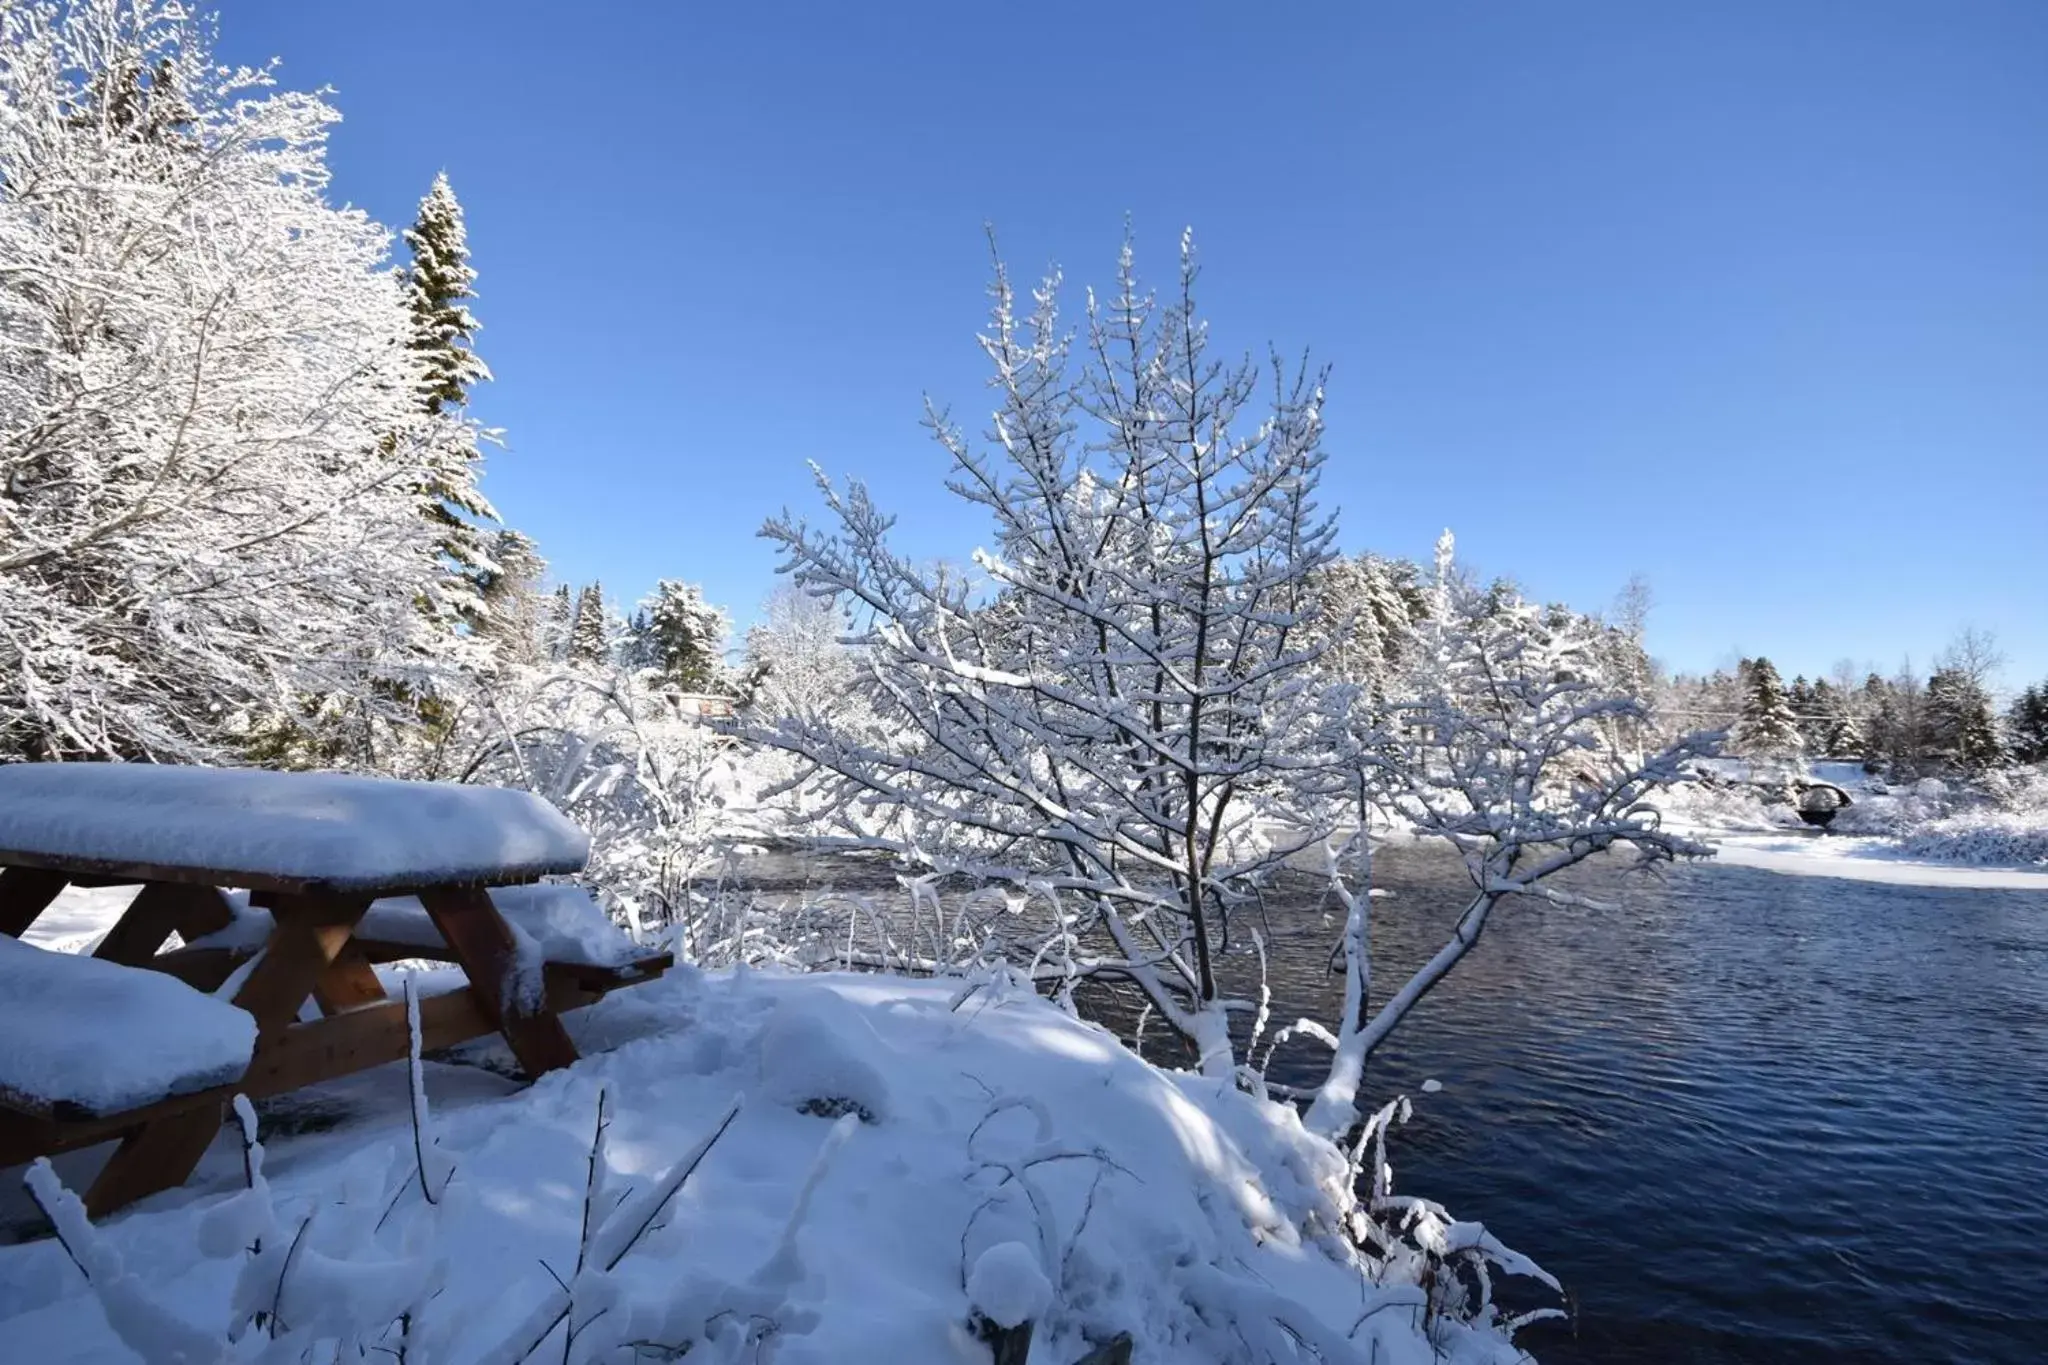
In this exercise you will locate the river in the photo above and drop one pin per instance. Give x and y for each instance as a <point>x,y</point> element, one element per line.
<point>1743,1116</point>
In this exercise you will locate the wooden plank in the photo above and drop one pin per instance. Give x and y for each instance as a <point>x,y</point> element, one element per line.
<point>392,950</point>
<point>349,982</point>
<point>156,1156</point>
<point>308,933</point>
<point>25,892</point>
<point>161,1152</point>
<point>483,945</point>
<point>143,926</point>
<point>304,1054</point>
<point>160,910</point>
<point>124,872</point>
<point>370,1036</point>
<point>24,1136</point>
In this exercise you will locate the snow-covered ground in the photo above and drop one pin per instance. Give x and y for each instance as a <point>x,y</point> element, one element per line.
<point>1862,859</point>
<point>897,1144</point>
<point>1993,834</point>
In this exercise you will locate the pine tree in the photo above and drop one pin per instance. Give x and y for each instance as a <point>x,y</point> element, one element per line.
<point>2027,726</point>
<point>684,636</point>
<point>557,624</point>
<point>443,339</point>
<point>588,636</point>
<point>1767,727</point>
<point>1825,710</point>
<point>1960,728</point>
<point>1845,738</point>
<point>513,608</point>
<point>1800,694</point>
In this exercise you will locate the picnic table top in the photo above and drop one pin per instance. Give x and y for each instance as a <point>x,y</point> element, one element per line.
<point>278,831</point>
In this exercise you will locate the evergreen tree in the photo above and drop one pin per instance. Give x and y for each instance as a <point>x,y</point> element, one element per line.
<point>443,339</point>
<point>1767,727</point>
<point>1369,608</point>
<point>1800,694</point>
<point>588,642</point>
<point>1825,710</point>
<point>513,619</point>
<point>2027,726</point>
<point>1959,724</point>
<point>683,636</point>
<point>1845,738</point>
<point>557,624</point>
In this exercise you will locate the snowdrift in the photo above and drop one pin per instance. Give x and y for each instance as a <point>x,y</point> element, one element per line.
<point>897,1143</point>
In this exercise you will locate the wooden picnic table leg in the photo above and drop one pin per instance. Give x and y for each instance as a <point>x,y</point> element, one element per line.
<point>159,910</point>
<point>309,931</point>
<point>158,1155</point>
<point>25,892</point>
<point>348,982</point>
<point>482,943</point>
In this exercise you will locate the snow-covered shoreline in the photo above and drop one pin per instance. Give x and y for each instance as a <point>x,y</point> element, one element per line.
<point>893,1133</point>
<point>1933,832</point>
<point>1859,858</point>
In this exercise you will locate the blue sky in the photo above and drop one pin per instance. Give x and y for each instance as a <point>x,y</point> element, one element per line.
<point>1749,298</point>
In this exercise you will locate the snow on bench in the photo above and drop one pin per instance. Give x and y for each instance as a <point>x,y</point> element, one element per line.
<point>281,831</point>
<point>561,923</point>
<point>84,1034</point>
<point>552,922</point>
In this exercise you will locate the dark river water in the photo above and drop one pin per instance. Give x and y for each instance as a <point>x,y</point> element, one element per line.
<point>1744,1117</point>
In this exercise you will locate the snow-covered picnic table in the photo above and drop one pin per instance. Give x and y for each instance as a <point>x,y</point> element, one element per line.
<point>285,889</point>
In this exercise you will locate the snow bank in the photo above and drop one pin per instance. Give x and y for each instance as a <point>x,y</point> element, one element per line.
<point>1011,1158</point>
<point>1981,837</point>
<point>1989,832</point>
<point>1866,860</point>
<point>351,833</point>
<point>106,1037</point>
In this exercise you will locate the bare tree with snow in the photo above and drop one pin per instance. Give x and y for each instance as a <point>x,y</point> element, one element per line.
<point>1506,753</point>
<point>210,443</point>
<point>1122,713</point>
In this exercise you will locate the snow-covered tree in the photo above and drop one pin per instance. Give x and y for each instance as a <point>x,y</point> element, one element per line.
<point>1961,730</point>
<point>795,662</point>
<point>1625,654</point>
<point>557,623</point>
<point>1119,720</point>
<point>1768,726</point>
<point>1506,753</point>
<point>1369,606</point>
<point>1844,737</point>
<point>516,615</point>
<point>590,627</point>
<point>682,637</point>
<point>2027,726</point>
<point>1133,719</point>
<point>210,449</point>
<point>1799,697</point>
<point>438,286</point>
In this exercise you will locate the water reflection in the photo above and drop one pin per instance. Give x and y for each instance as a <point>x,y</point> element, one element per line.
<point>1745,1117</point>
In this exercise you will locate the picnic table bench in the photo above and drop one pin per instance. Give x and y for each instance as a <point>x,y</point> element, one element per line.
<point>286,890</point>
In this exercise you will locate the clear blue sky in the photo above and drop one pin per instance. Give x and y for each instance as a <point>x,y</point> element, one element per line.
<point>1751,298</point>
